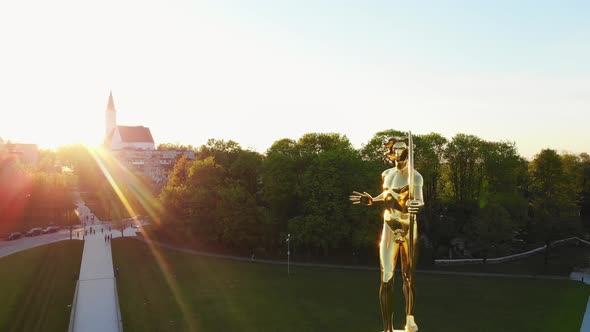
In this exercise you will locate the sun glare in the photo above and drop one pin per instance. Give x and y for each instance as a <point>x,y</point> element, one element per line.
<point>118,174</point>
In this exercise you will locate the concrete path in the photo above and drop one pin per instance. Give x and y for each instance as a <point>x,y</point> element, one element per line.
<point>96,302</point>
<point>586,322</point>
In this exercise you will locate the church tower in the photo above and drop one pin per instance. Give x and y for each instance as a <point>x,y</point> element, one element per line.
<point>110,117</point>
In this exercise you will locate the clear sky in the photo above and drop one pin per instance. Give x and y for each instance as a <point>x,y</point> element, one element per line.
<point>258,71</point>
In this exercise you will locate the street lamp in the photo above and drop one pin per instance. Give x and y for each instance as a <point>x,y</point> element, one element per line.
<point>289,254</point>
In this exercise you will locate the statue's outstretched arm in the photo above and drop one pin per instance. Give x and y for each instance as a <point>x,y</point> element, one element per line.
<point>365,198</point>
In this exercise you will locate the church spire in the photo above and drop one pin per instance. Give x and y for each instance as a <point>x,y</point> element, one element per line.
<point>110,116</point>
<point>111,104</point>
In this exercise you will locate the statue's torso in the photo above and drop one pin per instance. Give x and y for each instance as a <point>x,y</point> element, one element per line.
<point>395,189</point>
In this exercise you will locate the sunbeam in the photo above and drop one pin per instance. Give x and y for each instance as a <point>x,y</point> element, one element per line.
<point>116,173</point>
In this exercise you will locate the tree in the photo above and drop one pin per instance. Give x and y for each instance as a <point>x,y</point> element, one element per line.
<point>246,169</point>
<point>237,216</point>
<point>15,184</point>
<point>85,165</point>
<point>313,144</point>
<point>503,170</point>
<point>223,152</point>
<point>280,179</point>
<point>585,190</point>
<point>180,172</point>
<point>331,173</point>
<point>548,199</point>
<point>493,229</point>
<point>175,146</point>
<point>463,154</point>
<point>429,159</point>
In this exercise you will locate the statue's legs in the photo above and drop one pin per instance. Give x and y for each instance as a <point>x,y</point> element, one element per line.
<point>407,275</point>
<point>408,268</point>
<point>388,252</point>
<point>386,303</point>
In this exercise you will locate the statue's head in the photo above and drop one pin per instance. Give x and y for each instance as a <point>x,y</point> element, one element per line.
<point>397,149</point>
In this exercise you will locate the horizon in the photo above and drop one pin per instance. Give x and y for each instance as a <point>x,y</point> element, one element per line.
<point>196,146</point>
<point>259,72</point>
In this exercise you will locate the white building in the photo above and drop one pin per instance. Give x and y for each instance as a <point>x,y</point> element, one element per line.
<point>125,137</point>
<point>134,147</point>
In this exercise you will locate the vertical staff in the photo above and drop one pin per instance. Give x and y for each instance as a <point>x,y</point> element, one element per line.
<point>289,254</point>
<point>411,184</point>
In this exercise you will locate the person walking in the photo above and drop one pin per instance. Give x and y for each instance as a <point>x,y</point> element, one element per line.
<point>105,239</point>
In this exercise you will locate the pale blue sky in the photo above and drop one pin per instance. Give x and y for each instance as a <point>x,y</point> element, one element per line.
<point>258,71</point>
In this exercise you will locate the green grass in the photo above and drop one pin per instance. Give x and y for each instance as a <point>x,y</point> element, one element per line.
<point>222,295</point>
<point>37,285</point>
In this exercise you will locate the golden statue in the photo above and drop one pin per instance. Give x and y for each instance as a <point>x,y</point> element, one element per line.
<point>401,200</point>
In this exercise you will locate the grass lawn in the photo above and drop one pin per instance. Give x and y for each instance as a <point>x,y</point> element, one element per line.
<point>207,294</point>
<point>36,287</point>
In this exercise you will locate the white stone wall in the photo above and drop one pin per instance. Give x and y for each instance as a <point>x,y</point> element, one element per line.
<point>118,145</point>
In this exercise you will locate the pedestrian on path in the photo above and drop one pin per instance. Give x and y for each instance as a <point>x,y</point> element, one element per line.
<point>105,239</point>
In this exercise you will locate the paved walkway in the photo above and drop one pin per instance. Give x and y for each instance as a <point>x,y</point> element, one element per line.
<point>586,322</point>
<point>96,306</point>
<point>96,303</point>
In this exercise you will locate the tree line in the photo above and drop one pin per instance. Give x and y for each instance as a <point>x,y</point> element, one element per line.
<point>480,193</point>
<point>36,195</point>
<point>482,198</point>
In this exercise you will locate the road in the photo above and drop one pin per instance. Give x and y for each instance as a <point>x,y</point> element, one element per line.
<point>24,243</point>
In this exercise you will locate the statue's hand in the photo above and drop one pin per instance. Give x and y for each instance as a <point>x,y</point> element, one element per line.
<point>414,206</point>
<point>361,198</point>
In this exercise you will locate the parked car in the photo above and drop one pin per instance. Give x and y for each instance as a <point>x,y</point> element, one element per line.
<point>14,236</point>
<point>34,232</point>
<point>50,229</point>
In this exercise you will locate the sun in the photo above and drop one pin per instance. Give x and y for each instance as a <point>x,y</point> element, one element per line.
<point>84,134</point>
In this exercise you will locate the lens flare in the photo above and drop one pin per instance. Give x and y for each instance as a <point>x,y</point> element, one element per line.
<point>119,176</point>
